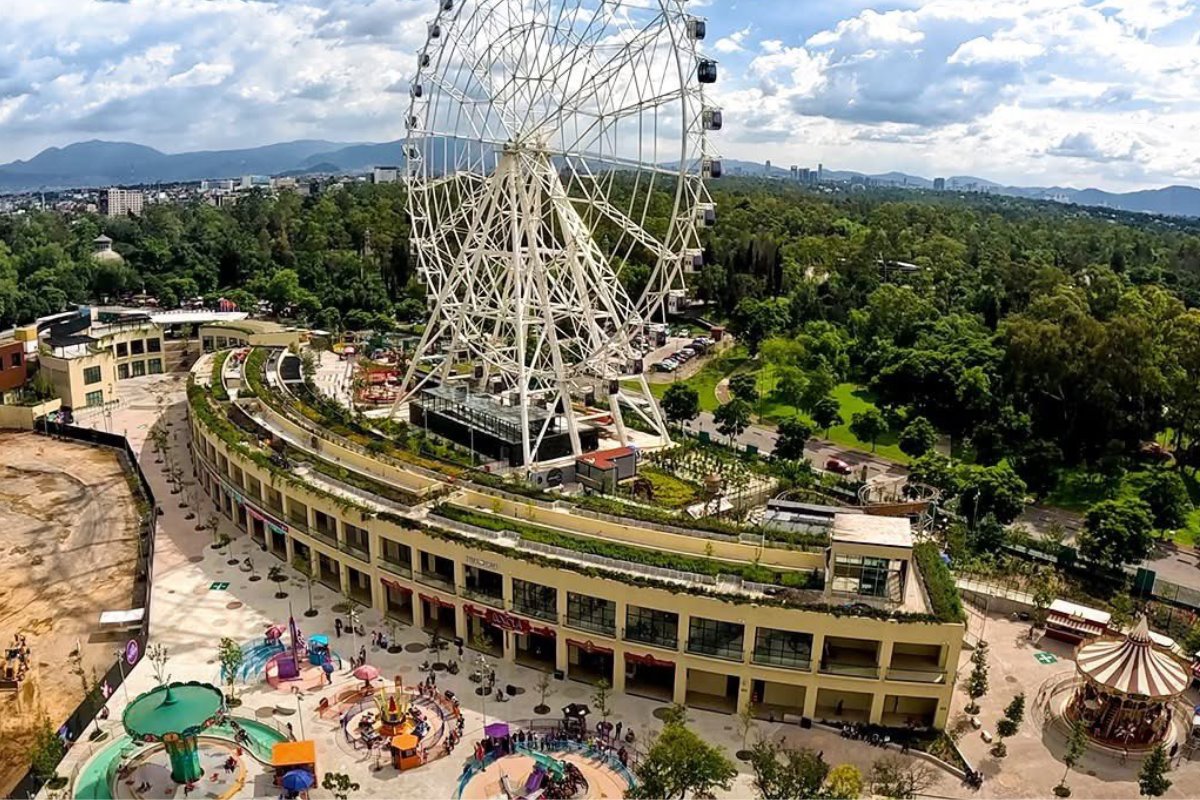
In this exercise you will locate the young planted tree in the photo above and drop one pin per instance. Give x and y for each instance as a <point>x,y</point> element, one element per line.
<point>1152,779</point>
<point>868,426</point>
<point>46,750</point>
<point>339,785</point>
<point>744,386</point>
<point>977,680</point>
<point>787,773</point>
<point>212,524</point>
<point>793,434</point>
<point>601,697</point>
<point>680,403</point>
<point>545,688</point>
<point>679,763</point>
<point>844,782</point>
<point>1076,747</point>
<point>826,413</point>
<point>159,655</point>
<point>277,575</point>
<point>745,724</point>
<point>732,418</point>
<point>304,567</point>
<point>1008,726</point>
<point>229,653</point>
<point>901,779</point>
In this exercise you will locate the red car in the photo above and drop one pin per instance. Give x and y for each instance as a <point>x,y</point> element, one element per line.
<point>838,467</point>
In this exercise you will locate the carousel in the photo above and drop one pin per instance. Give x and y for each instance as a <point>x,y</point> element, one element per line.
<point>1127,690</point>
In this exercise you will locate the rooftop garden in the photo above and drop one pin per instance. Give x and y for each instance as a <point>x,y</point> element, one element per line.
<point>637,555</point>
<point>217,381</point>
<point>939,583</point>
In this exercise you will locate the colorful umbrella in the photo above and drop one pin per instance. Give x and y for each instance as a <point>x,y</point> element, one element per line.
<point>275,631</point>
<point>366,673</point>
<point>298,780</point>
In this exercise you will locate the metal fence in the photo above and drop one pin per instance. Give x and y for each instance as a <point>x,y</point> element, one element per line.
<point>132,649</point>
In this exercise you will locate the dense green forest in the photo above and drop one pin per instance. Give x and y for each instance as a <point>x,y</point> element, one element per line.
<point>1039,337</point>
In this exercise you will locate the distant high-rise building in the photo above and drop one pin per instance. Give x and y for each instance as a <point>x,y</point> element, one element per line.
<point>118,202</point>
<point>767,168</point>
<point>805,176</point>
<point>820,172</point>
<point>795,172</point>
<point>385,174</point>
<point>939,184</point>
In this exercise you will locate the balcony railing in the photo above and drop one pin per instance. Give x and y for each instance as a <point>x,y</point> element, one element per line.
<point>777,660</point>
<point>728,652</point>
<point>592,626</point>
<point>664,642</point>
<point>358,552</point>
<point>396,567</point>
<point>852,670</point>
<point>538,612</point>
<point>492,598</point>
<point>911,675</point>
<point>437,581</point>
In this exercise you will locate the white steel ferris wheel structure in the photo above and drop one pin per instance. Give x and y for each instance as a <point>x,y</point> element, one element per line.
<point>553,145</point>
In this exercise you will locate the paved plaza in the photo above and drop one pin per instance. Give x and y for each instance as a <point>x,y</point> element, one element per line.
<point>199,597</point>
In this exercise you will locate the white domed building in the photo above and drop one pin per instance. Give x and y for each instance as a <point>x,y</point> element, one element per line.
<point>102,250</point>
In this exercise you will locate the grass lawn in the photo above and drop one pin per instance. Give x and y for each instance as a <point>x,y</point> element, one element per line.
<point>1078,489</point>
<point>705,381</point>
<point>669,491</point>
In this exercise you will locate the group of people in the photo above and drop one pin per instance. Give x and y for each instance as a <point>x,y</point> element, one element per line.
<point>17,658</point>
<point>339,626</point>
<point>379,640</point>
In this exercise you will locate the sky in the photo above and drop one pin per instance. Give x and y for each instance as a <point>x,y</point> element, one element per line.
<point>1077,93</point>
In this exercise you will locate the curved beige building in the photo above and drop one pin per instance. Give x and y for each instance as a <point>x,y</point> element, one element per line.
<point>841,631</point>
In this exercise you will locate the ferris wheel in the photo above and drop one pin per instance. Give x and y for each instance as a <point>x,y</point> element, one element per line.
<point>556,161</point>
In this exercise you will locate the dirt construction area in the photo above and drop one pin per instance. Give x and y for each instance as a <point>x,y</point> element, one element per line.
<point>68,550</point>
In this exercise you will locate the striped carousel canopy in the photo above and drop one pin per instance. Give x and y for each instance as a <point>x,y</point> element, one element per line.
<point>1133,665</point>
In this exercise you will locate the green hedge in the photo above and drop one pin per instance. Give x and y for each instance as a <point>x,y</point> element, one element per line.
<point>939,583</point>
<point>218,385</point>
<point>638,555</point>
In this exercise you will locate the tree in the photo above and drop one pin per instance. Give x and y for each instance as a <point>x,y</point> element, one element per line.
<point>977,680</point>
<point>1076,747</point>
<point>1117,532</point>
<point>46,750</point>
<point>844,782</point>
<point>826,413</point>
<point>732,418</point>
<point>278,576</point>
<point>213,523</point>
<point>1152,778</point>
<point>1167,497</point>
<point>868,426</point>
<point>681,403</point>
<point>229,653</point>
<point>678,763</point>
<point>784,773</point>
<point>790,386</point>
<point>305,568</point>
<point>545,688</point>
<point>995,491</point>
<point>1014,714</point>
<point>793,433</point>
<point>339,785</point>
<point>601,695</point>
<point>754,321</point>
<point>745,724</point>
<point>901,779</point>
<point>159,655</point>
<point>744,386</point>
<point>1038,465</point>
<point>918,437</point>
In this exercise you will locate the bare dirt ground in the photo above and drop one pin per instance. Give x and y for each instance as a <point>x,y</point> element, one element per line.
<point>68,550</point>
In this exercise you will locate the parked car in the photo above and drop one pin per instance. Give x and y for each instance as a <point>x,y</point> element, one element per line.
<point>838,467</point>
<point>666,365</point>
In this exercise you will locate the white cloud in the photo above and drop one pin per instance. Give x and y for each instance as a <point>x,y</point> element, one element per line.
<point>731,43</point>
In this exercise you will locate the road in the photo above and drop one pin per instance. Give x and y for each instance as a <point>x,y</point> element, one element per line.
<point>818,451</point>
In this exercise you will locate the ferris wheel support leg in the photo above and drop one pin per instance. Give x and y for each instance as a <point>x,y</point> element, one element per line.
<point>614,403</point>
<point>655,411</point>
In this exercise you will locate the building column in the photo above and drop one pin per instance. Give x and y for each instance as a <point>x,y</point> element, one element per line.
<point>619,669</point>
<point>460,623</point>
<point>560,652</point>
<point>344,578</point>
<point>876,707</point>
<point>680,696</point>
<point>818,649</point>
<point>810,699</point>
<point>885,657</point>
<point>418,608</point>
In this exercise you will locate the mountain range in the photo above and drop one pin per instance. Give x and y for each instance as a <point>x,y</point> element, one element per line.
<point>100,163</point>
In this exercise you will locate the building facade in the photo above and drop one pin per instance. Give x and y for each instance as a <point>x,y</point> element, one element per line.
<point>673,640</point>
<point>118,202</point>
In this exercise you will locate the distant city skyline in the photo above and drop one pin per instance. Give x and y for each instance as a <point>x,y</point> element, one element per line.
<point>1030,92</point>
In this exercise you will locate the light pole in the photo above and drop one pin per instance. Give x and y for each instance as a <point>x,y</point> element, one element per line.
<point>482,661</point>
<point>120,654</point>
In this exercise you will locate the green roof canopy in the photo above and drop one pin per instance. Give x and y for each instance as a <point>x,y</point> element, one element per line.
<point>174,708</point>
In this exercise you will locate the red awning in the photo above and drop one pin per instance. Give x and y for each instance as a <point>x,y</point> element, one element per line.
<point>474,611</point>
<point>539,630</point>
<point>648,660</point>
<point>435,600</point>
<point>394,584</point>
<point>589,646</point>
